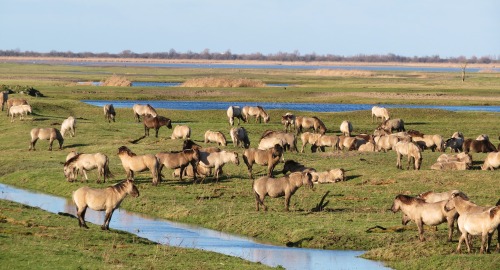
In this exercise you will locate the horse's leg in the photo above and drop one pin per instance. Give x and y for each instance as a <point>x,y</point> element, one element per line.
<point>182,172</point>
<point>420,226</point>
<point>51,141</point>
<point>460,240</point>
<point>32,144</point>
<point>86,177</point>
<point>257,201</point>
<point>107,219</point>
<point>488,243</point>
<point>450,228</point>
<point>468,241</point>
<point>287,201</point>
<point>80,213</point>
<point>398,161</point>
<point>156,129</point>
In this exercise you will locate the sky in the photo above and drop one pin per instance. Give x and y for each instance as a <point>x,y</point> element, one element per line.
<point>448,28</point>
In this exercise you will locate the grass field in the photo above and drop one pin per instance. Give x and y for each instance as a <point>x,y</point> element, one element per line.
<point>353,207</point>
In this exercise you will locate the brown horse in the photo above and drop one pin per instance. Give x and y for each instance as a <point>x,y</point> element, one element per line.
<point>87,162</point>
<point>135,163</point>
<point>279,187</point>
<point>49,134</point>
<point>141,110</point>
<point>15,102</point>
<point>107,199</point>
<point>155,122</point>
<point>421,213</point>
<point>478,146</point>
<point>109,112</point>
<point>269,157</point>
<point>258,112</point>
<point>288,120</point>
<point>310,123</point>
<point>180,159</point>
<point>294,166</point>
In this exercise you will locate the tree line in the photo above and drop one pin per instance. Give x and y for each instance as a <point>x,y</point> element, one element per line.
<point>279,56</point>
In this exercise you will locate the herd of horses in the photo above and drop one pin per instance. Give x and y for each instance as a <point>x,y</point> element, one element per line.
<point>194,160</point>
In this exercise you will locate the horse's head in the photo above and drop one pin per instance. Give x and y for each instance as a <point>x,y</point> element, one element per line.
<point>131,189</point>
<point>125,150</point>
<point>236,159</point>
<point>307,179</point>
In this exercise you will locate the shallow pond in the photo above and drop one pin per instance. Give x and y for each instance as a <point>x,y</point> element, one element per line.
<point>187,236</point>
<point>312,107</point>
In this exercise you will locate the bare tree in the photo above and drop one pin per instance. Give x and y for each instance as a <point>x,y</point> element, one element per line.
<point>464,65</point>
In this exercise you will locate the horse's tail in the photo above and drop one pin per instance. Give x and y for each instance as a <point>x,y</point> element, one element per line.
<point>107,172</point>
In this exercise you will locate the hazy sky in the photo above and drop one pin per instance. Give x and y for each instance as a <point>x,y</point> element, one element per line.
<point>447,28</point>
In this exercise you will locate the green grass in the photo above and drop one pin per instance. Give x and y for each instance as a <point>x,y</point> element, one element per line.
<point>354,206</point>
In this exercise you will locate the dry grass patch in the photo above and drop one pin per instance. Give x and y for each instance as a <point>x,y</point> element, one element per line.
<point>343,73</point>
<point>223,82</point>
<point>116,80</point>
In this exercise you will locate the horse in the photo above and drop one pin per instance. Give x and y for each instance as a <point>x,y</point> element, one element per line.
<point>380,112</point>
<point>141,110</point>
<point>327,140</point>
<point>258,112</point>
<point>346,128</point>
<point>287,140</point>
<point>461,157</point>
<point>329,176</point>
<point>288,120</point>
<point>217,160</point>
<point>474,220</point>
<point>478,146</point>
<point>239,137</point>
<point>69,125</point>
<point>294,166</point>
<point>20,110</point>
<point>348,142</point>
<point>310,123</point>
<point>181,132</point>
<point>420,212</point>
<point>107,199</point>
<point>215,136</point>
<point>492,161</point>
<point>49,134</point>
<point>279,187</point>
<point>4,96</point>
<point>386,142</point>
<point>411,150</point>
<point>14,102</point>
<point>455,144</point>
<point>179,159</point>
<point>155,122</point>
<point>431,196</point>
<point>87,162</point>
<point>138,163</point>
<point>269,157</point>
<point>393,124</point>
<point>109,112</point>
<point>367,147</point>
<point>434,142</point>
<point>235,111</point>
<point>308,137</point>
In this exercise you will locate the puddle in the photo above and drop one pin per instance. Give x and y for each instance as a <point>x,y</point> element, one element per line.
<point>187,236</point>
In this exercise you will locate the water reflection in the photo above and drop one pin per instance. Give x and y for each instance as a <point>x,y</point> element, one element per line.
<point>188,236</point>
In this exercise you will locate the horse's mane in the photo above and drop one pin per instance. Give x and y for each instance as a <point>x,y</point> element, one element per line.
<point>422,195</point>
<point>498,203</point>
<point>128,151</point>
<point>320,122</point>
<point>72,159</point>
<point>267,133</point>
<point>494,211</point>
<point>188,144</point>
<point>408,199</point>
<point>120,186</point>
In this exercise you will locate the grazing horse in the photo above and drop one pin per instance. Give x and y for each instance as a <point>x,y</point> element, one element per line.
<point>269,157</point>
<point>217,160</point>
<point>309,138</point>
<point>4,96</point>
<point>69,125</point>
<point>215,136</point>
<point>155,122</point>
<point>431,196</point>
<point>141,110</point>
<point>411,150</point>
<point>180,159</point>
<point>107,199</point>
<point>294,166</point>
<point>478,146</point>
<point>434,142</point>
<point>327,140</point>
<point>258,112</point>
<point>239,137</point>
<point>346,128</point>
<point>287,140</point>
<point>109,112</point>
<point>235,111</point>
<point>87,162</point>
<point>421,212</point>
<point>49,134</point>
<point>474,220</point>
<point>181,132</point>
<point>393,124</point>
<point>310,122</point>
<point>288,120</point>
<point>279,187</point>
<point>138,163</point>
<point>20,110</point>
<point>380,112</point>
<point>386,142</point>
<point>15,102</point>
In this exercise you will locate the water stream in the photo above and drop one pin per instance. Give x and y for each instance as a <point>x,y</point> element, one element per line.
<point>188,236</point>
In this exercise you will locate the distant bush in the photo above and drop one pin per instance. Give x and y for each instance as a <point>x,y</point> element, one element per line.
<point>223,82</point>
<point>21,89</point>
<point>116,80</point>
